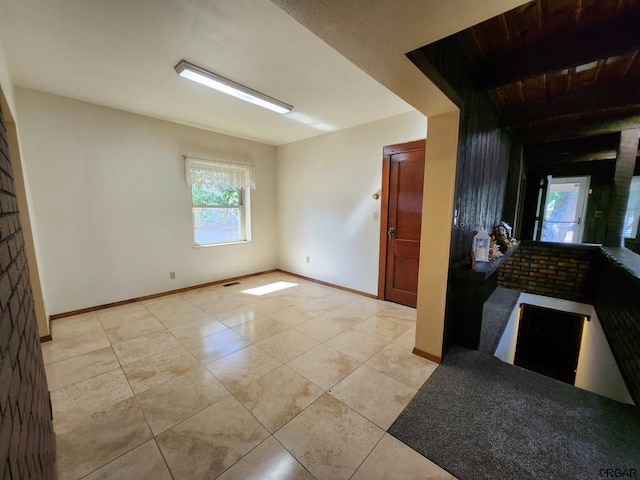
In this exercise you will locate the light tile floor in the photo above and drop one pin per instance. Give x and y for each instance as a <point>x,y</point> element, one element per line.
<point>300,383</point>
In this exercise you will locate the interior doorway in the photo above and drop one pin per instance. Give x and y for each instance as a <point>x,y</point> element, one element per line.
<point>401,221</point>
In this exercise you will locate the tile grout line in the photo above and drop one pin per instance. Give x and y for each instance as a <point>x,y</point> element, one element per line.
<point>215,316</point>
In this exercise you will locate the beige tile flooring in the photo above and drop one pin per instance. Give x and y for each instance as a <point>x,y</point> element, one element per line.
<point>300,383</point>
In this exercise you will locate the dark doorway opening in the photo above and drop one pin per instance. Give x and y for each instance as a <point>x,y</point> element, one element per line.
<point>549,341</point>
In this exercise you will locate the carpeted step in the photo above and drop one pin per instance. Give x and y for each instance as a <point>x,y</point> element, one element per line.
<point>480,418</point>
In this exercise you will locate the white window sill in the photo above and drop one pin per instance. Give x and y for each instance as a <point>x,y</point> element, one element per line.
<point>235,242</point>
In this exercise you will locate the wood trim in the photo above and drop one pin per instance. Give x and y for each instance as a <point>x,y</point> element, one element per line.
<point>46,338</point>
<point>428,356</point>
<point>387,152</point>
<point>155,295</point>
<point>404,147</point>
<point>194,287</point>
<point>332,285</point>
<point>384,225</point>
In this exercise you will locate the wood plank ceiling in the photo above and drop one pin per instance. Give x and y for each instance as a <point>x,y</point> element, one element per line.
<point>562,70</point>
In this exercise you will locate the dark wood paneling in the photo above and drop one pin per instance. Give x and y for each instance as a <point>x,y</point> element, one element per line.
<point>569,48</point>
<point>618,306</point>
<point>562,68</point>
<point>577,126</point>
<point>574,103</point>
<point>483,149</point>
<point>481,177</point>
<point>596,144</point>
<point>625,165</point>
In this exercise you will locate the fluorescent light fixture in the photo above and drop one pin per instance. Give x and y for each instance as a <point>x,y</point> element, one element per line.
<point>224,85</point>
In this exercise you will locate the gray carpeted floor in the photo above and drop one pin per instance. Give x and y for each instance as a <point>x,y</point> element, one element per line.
<point>480,418</point>
<point>495,315</point>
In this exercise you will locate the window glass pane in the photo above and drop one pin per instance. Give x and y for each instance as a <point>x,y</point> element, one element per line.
<point>633,209</point>
<point>205,189</point>
<point>562,202</point>
<point>561,232</point>
<point>215,225</point>
<point>564,207</point>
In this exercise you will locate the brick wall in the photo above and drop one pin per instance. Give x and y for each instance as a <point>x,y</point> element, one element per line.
<point>27,442</point>
<point>618,305</point>
<point>571,272</point>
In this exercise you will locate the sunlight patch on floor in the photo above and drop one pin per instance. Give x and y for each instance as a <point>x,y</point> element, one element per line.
<point>270,288</point>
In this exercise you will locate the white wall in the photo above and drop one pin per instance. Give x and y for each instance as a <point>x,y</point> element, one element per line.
<point>6,86</point>
<point>7,101</point>
<point>112,208</point>
<point>437,212</point>
<point>325,201</point>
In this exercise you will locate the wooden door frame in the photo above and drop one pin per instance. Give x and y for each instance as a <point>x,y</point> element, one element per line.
<point>387,153</point>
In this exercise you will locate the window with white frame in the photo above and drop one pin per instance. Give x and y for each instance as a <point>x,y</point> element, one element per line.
<point>630,228</point>
<point>220,200</point>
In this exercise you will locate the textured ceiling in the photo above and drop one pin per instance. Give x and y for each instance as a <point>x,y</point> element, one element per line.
<point>121,54</point>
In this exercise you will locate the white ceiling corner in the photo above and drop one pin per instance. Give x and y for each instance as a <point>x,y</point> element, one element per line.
<point>121,54</point>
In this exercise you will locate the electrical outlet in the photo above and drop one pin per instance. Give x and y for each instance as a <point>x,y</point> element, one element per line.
<point>308,259</point>
<point>172,275</point>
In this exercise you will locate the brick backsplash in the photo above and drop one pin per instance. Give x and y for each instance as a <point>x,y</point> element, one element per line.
<point>27,441</point>
<point>555,270</point>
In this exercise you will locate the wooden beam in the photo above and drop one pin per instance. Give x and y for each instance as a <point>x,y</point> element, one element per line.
<point>572,48</point>
<point>625,164</point>
<point>596,145</point>
<point>571,158</point>
<point>586,101</point>
<point>613,121</point>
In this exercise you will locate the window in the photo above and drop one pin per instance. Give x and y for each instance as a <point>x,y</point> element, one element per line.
<point>564,209</point>
<point>633,210</point>
<point>220,200</point>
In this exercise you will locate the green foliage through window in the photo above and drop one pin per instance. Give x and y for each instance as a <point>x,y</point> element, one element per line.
<point>218,211</point>
<point>205,190</point>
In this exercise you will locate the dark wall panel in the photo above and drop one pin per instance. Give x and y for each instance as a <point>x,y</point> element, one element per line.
<point>618,305</point>
<point>483,150</point>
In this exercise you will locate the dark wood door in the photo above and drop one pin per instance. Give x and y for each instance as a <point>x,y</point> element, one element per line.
<point>403,178</point>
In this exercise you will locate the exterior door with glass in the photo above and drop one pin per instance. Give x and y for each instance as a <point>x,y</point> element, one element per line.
<point>565,207</point>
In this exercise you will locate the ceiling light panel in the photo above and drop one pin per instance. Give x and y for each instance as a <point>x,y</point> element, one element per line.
<point>217,82</point>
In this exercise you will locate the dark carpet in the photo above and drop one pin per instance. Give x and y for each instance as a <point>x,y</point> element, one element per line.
<point>495,315</point>
<point>480,418</point>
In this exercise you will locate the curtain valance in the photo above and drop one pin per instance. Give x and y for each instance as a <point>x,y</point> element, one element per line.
<point>230,174</point>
